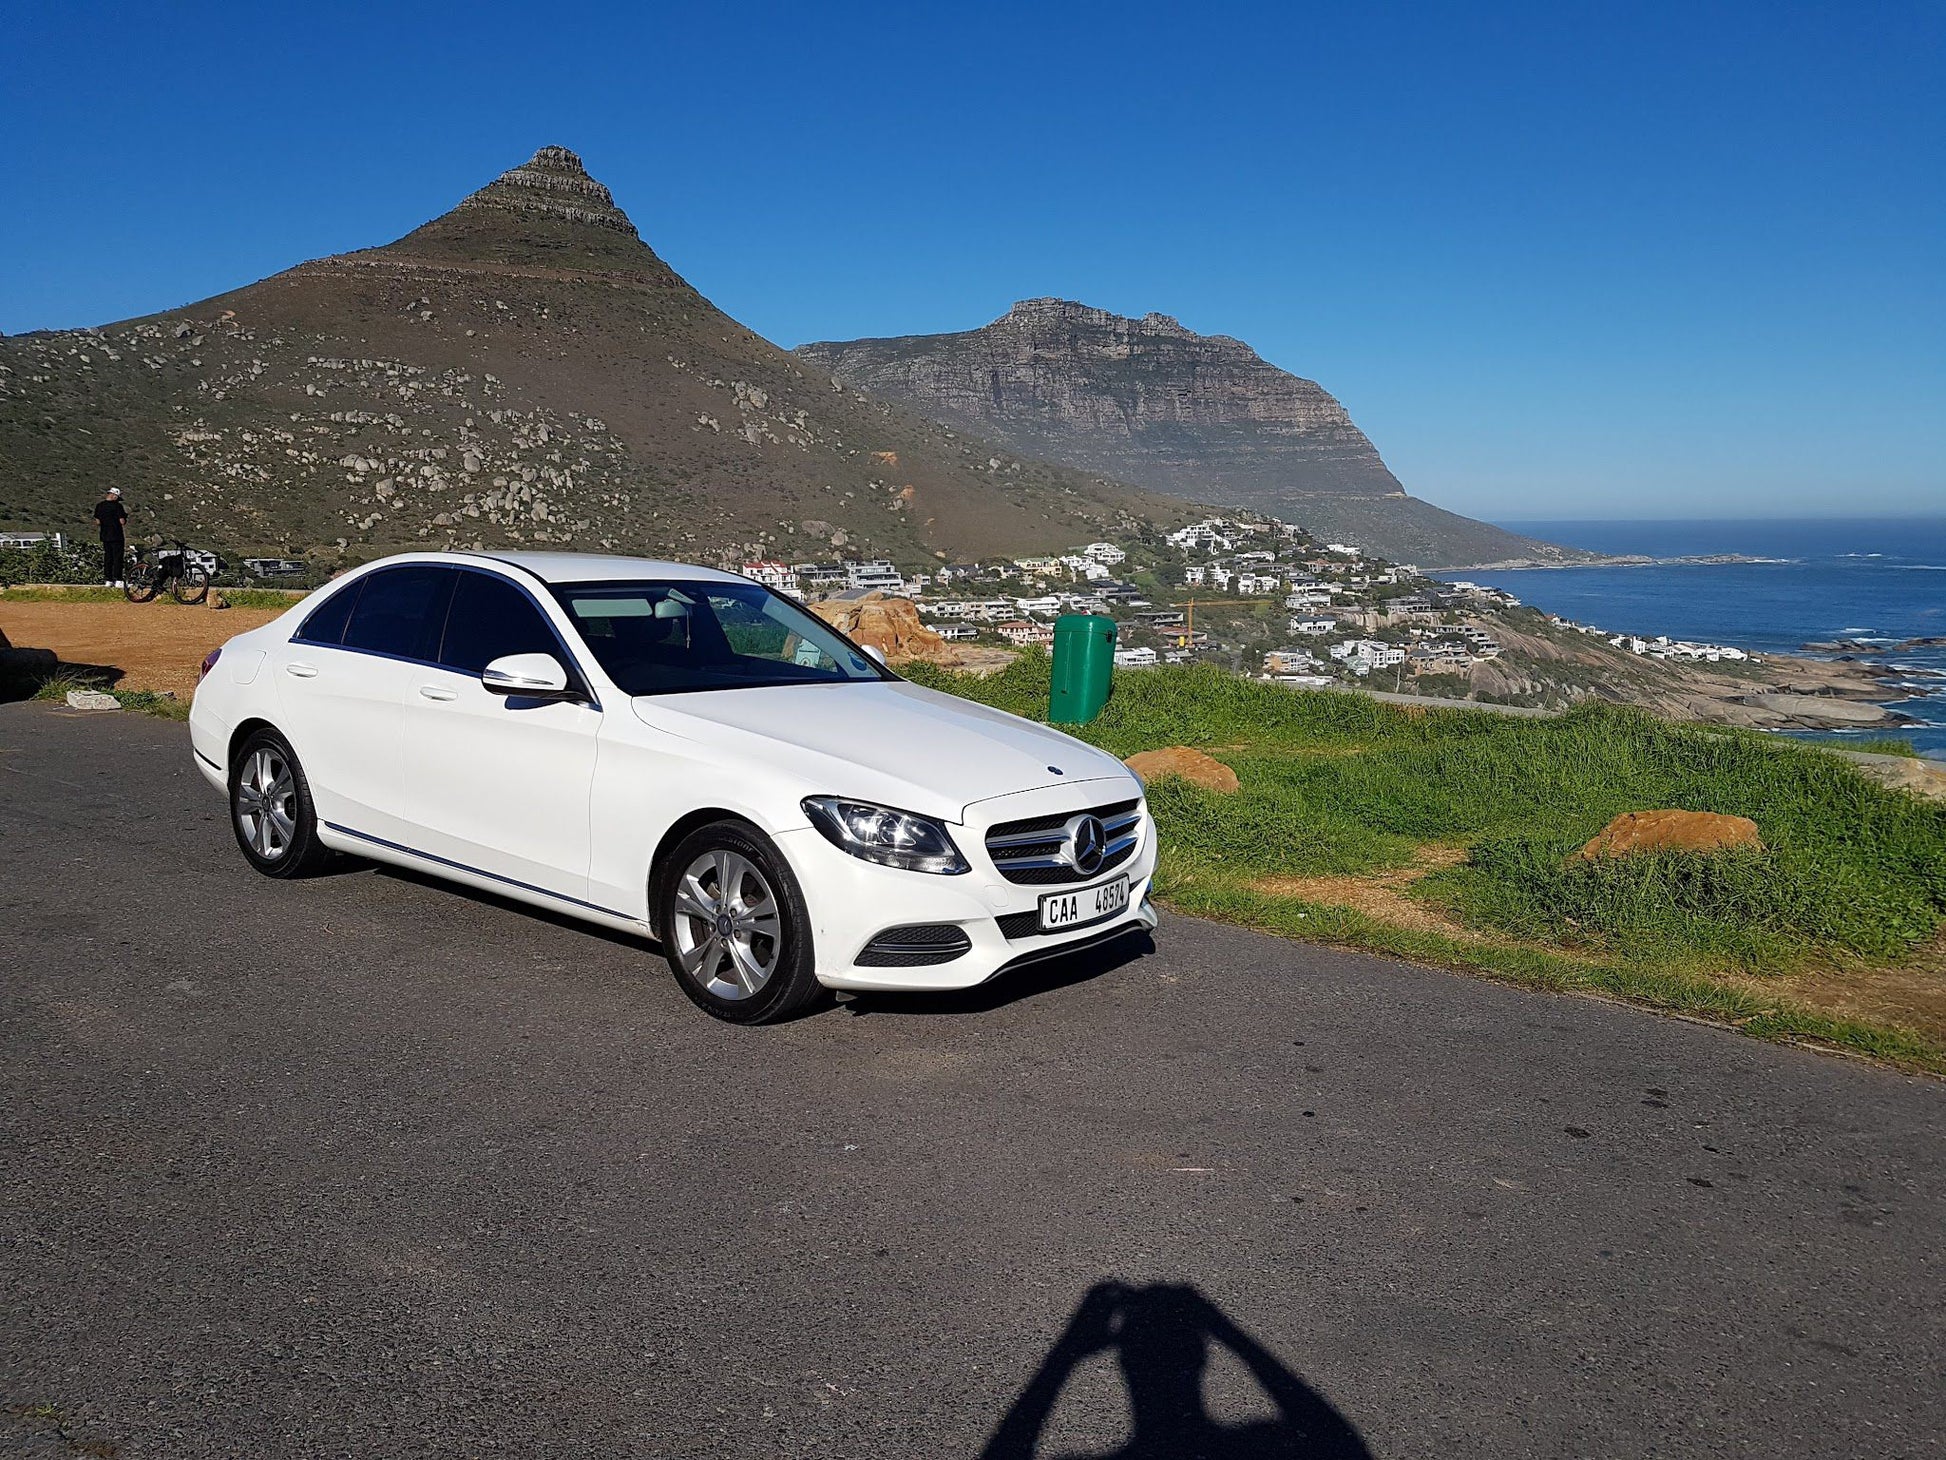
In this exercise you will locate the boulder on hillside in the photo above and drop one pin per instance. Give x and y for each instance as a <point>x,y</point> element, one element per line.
<point>1670,831</point>
<point>890,625</point>
<point>893,627</point>
<point>1185,764</point>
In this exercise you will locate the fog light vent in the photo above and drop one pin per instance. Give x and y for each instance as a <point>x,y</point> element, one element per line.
<point>915,946</point>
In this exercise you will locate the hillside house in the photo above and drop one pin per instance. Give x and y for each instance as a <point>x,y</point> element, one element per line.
<point>773,575</point>
<point>1140,658</point>
<point>1022,633</point>
<point>877,575</point>
<point>819,575</point>
<point>1291,661</point>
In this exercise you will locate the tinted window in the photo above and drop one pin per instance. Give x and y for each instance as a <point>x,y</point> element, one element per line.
<point>491,619</point>
<point>326,625</point>
<point>665,638</point>
<point>401,612</point>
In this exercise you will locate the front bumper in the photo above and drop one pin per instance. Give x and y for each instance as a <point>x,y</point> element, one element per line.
<point>852,902</point>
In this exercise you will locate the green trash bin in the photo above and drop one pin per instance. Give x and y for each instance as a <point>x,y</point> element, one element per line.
<point>1084,664</point>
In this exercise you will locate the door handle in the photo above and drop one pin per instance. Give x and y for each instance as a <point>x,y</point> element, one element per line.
<point>302,671</point>
<point>433,692</point>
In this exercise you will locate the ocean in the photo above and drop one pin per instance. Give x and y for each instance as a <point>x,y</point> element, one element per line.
<point>1862,581</point>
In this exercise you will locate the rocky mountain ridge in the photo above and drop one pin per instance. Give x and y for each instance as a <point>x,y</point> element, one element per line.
<point>1151,402</point>
<point>522,369</point>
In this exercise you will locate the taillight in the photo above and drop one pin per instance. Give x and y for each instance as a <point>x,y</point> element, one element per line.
<point>209,663</point>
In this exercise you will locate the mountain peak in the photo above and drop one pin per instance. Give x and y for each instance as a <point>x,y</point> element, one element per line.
<point>1034,312</point>
<point>552,183</point>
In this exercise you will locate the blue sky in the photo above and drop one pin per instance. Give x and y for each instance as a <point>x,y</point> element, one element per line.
<point>1581,260</point>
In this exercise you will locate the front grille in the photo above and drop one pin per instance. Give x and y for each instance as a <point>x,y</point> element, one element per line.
<point>1029,851</point>
<point>915,946</point>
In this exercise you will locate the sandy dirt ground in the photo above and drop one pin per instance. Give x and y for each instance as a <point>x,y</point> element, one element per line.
<point>153,646</point>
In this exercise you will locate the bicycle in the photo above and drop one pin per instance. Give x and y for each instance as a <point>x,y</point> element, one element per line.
<point>168,567</point>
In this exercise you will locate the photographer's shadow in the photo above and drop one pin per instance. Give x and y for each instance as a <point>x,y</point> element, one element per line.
<point>1161,1338</point>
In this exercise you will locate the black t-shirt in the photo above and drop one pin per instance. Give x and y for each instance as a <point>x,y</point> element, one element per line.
<point>111,516</point>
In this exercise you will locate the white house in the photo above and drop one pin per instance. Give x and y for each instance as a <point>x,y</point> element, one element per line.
<point>1023,633</point>
<point>1369,653</point>
<point>877,574</point>
<point>1290,661</point>
<point>1313,625</point>
<point>1104,552</point>
<point>772,575</point>
<point>1134,658</point>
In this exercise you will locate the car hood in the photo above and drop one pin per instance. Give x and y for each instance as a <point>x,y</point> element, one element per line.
<point>890,742</point>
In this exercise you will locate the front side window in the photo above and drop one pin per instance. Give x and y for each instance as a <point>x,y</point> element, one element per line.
<point>491,619</point>
<point>675,637</point>
<point>401,612</point>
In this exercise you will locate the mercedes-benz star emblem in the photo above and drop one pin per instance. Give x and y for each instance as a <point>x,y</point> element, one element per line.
<point>1085,845</point>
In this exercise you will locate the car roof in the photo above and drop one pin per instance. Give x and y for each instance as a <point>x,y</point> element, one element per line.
<point>600,567</point>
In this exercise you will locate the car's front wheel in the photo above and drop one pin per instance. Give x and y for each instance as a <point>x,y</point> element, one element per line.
<point>271,811</point>
<point>734,926</point>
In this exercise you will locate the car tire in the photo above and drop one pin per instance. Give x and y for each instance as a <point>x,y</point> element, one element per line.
<point>746,958</point>
<point>271,813</point>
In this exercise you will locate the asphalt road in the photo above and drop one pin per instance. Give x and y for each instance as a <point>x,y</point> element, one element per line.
<point>367,1166</point>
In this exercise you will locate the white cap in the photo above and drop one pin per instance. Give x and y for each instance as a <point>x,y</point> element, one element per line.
<point>114,491</point>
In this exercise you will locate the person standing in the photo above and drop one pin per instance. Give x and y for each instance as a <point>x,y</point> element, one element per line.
<point>112,518</point>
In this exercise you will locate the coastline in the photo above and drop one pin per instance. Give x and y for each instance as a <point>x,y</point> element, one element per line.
<point>1858,603</point>
<point>1615,560</point>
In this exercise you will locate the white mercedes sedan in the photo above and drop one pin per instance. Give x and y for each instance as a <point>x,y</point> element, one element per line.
<point>675,752</point>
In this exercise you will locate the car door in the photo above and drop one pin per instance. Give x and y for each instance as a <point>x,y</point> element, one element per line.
<point>341,687</point>
<point>494,783</point>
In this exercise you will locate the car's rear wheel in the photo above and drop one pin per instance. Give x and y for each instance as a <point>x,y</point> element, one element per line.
<point>734,926</point>
<point>271,811</point>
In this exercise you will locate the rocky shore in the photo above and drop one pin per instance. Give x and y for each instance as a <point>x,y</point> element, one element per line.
<point>1540,664</point>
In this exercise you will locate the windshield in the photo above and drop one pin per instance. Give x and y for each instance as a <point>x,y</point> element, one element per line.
<point>674,637</point>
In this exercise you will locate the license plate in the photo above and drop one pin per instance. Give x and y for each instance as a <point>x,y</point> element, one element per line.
<point>1088,905</point>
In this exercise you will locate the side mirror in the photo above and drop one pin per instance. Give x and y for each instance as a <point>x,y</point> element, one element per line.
<point>875,654</point>
<point>530,676</point>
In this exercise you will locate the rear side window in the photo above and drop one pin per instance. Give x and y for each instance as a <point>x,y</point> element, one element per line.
<point>401,612</point>
<point>490,620</point>
<point>326,624</point>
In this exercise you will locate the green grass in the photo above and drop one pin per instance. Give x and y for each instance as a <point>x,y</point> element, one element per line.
<point>1340,784</point>
<point>62,595</point>
<point>147,702</point>
<point>1884,747</point>
<point>277,598</point>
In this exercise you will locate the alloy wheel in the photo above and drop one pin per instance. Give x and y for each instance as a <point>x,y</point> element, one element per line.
<point>728,931</point>
<point>266,803</point>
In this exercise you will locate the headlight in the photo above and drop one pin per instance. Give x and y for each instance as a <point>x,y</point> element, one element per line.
<point>880,834</point>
